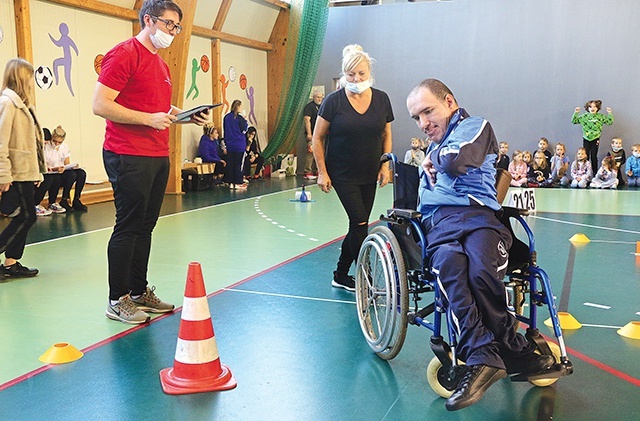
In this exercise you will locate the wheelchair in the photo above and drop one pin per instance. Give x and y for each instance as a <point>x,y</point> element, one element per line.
<point>393,276</point>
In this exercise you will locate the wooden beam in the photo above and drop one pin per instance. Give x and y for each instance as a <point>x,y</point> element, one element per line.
<point>216,84</point>
<point>23,29</point>
<point>100,7</point>
<point>278,3</point>
<point>276,66</point>
<point>222,15</point>
<point>177,57</point>
<point>232,39</point>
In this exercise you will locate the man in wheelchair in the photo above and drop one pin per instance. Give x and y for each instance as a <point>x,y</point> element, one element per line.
<point>467,245</point>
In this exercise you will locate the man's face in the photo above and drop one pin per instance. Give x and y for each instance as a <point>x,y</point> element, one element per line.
<point>317,98</point>
<point>431,114</point>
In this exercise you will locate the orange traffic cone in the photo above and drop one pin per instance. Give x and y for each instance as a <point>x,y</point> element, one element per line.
<point>196,367</point>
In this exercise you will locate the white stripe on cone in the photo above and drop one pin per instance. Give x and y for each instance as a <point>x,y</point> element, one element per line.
<point>195,309</point>
<point>196,352</point>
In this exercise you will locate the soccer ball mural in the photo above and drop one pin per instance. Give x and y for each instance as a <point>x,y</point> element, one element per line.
<point>44,77</point>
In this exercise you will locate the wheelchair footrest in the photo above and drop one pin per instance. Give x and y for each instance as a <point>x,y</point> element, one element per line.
<point>556,371</point>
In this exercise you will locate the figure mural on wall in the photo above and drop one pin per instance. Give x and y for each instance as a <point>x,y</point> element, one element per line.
<point>194,72</point>
<point>66,43</point>
<point>223,90</point>
<point>252,114</point>
<point>1,34</point>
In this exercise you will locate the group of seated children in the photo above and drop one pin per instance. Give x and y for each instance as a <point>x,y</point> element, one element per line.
<point>212,149</point>
<point>546,170</point>
<point>60,173</point>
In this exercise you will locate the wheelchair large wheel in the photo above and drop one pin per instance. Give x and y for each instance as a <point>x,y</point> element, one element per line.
<point>382,295</point>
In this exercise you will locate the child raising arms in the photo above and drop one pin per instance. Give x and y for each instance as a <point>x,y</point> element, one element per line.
<point>592,122</point>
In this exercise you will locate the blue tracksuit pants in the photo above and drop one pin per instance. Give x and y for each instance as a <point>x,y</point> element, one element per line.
<point>468,252</point>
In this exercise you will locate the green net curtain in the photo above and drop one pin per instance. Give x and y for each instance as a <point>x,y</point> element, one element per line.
<point>300,68</point>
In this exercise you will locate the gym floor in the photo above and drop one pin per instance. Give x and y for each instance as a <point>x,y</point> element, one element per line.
<point>292,341</point>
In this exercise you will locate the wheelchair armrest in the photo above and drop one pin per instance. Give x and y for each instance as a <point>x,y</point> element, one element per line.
<point>403,213</point>
<point>512,212</point>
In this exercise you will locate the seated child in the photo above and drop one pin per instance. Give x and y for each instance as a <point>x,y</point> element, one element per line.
<point>633,166</point>
<point>543,145</point>
<point>559,165</point>
<point>518,170</point>
<point>619,156</point>
<point>253,154</point>
<point>538,171</point>
<point>527,158</point>
<point>208,150</point>
<point>415,155</point>
<point>606,177</point>
<point>581,172</point>
<point>57,156</point>
<point>503,158</point>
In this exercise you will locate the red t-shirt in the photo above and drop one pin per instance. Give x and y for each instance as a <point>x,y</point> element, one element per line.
<point>143,81</point>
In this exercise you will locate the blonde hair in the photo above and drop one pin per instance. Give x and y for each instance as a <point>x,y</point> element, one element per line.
<point>59,133</point>
<point>208,128</point>
<point>352,56</point>
<point>18,76</point>
<point>539,154</point>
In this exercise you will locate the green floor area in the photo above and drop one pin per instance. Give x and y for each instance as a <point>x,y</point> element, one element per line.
<point>293,342</point>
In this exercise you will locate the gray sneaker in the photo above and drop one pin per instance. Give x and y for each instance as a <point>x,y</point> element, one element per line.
<point>126,311</point>
<point>150,302</point>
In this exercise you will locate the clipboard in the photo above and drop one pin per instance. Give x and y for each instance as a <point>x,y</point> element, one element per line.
<point>186,115</point>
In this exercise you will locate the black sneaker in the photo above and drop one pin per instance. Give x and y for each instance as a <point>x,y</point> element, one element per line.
<point>65,204</point>
<point>472,386</point>
<point>529,364</point>
<point>16,270</point>
<point>79,206</point>
<point>344,281</point>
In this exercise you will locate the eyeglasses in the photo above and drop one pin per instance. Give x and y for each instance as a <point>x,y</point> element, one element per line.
<point>168,24</point>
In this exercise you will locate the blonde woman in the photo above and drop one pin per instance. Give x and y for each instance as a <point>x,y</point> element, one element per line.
<point>352,131</point>
<point>21,163</point>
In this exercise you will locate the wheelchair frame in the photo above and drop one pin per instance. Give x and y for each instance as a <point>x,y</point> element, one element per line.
<point>388,274</point>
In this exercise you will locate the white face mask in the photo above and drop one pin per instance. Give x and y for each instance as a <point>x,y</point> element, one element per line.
<point>636,154</point>
<point>615,149</point>
<point>359,87</point>
<point>161,39</point>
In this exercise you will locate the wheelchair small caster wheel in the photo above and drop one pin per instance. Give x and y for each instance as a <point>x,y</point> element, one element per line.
<point>555,350</point>
<point>439,380</point>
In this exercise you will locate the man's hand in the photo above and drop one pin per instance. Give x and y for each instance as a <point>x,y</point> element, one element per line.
<point>324,181</point>
<point>161,121</point>
<point>429,169</point>
<point>201,118</point>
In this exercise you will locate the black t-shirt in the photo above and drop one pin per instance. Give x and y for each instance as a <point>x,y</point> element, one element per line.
<point>311,110</point>
<point>354,143</point>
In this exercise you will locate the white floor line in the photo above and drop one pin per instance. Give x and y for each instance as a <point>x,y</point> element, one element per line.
<point>597,306</point>
<point>299,297</point>
<point>161,217</point>
<point>603,326</point>
<point>583,225</point>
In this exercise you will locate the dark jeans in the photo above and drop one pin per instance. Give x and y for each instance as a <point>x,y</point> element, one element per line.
<point>233,174</point>
<point>592,152</point>
<point>138,185</point>
<point>50,184</point>
<point>259,161</point>
<point>14,237</point>
<point>69,177</point>
<point>357,201</point>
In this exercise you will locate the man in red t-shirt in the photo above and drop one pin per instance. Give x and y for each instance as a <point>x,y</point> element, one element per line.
<point>133,94</point>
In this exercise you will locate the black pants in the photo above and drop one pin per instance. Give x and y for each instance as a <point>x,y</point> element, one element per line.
<point>592,152</point>
<point>233,174</point>
<point>138,185</point>
<point>68,178</point>
<point>14,237</point>
<point>50,184</point>
<point>259,161</point>
<point>357,201</point>
<point>468,252</point>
